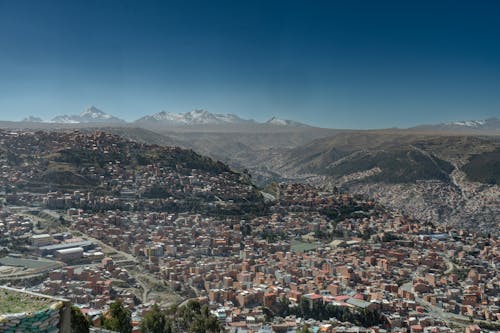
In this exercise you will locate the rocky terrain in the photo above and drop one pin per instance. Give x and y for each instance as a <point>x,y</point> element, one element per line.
<point>437,178</point>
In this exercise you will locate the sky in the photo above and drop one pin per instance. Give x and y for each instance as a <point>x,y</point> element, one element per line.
<point>338,64</point>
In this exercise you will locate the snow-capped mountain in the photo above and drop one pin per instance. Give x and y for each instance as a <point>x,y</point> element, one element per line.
<point>467,123</point>
<point>199,117</point>
<point>195,117</point>
<point>91,115</point>
<point>283,122</point>
<point>490,124</point>
<point>66,119</point>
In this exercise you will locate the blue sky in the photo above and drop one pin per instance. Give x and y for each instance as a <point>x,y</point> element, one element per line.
<point>342,64</point>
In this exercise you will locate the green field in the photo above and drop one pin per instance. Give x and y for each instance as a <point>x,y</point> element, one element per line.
<point>298,246</point>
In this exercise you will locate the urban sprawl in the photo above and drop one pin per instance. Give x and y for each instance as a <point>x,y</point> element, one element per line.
<point>162,232</point>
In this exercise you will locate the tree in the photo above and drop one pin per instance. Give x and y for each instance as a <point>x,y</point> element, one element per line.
<point>268,313</point>
<point>154,321</point>
<point>191,318</point>
<point>305,306</point>
<point>119,318</point>
<point>79,323</point>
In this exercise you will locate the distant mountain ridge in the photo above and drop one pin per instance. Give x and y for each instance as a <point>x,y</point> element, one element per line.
<point>490,124</point>
<point>32,119</point>
<point>195,117</point>
<point>163,118</point>
<point>284,122</point>
<point>90,115</point>
<point>200,117</point>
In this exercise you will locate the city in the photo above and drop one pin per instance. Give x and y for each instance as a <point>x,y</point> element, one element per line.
<point>304,257</point>
<point>284,166</point>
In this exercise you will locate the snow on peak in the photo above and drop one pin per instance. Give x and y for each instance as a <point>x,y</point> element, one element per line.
<point>90,115</point>
<point>95,113</point>
<point>195,117</point>
<point>277,121</point>
<point>490,124</point>
<point>467,123</point>
<point>283,122</point>
<point>66,119</point>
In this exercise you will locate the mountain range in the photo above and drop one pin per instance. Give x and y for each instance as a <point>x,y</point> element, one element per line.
<point>490,124</point>
<point>200,117</point>
<point>93,115</point>
<point>195,117</point>
<point>90,115</point>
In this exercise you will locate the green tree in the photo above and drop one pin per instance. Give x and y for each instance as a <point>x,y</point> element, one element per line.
<point>305,306</point>
<point>154,321</point>
<point>119,319</point>
<point>268,313</point>
<point>191,318</point>
<point>79,322</point>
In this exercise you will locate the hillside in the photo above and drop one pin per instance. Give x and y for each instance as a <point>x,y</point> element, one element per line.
<point>484,167</point>
<point>397,166</point>
<point>438,178</point>
<point>105,164</point>
<point>425,156</point>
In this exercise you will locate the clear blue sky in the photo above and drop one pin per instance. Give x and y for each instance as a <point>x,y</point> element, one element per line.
<point>343,64</point>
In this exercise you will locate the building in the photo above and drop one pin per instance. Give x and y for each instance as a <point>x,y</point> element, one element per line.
<point>41,240</point>
<point>69,255</point>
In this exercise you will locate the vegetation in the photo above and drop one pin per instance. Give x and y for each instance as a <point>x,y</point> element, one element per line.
<point>79,322</point>
<point>398,166</point>
<point>484,168</point>
<point>191,318</point>
<point>389,237</point>
<point>298,246</point>
<point>118,319</point>
<point>350,210</point>
<point>131,153</point>
<point>15,302</point>
<point>460,272</point>
<point>154,321</point>
<point>272,236</point>
<point>490,326</point>
<point>321,311</point>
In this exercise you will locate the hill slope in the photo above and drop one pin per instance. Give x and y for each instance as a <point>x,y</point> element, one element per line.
<point>104,164</point>
<point>438,178</point>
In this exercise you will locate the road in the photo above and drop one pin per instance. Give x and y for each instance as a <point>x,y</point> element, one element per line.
<point>449,318</point>
<point>134,272</point>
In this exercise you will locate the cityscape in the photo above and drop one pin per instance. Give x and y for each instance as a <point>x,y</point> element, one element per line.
<point>151,225</point>
<point>249,166</point>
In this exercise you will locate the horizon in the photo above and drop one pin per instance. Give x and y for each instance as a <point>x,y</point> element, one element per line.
<point>132,121</point>
<point>335,65</point>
